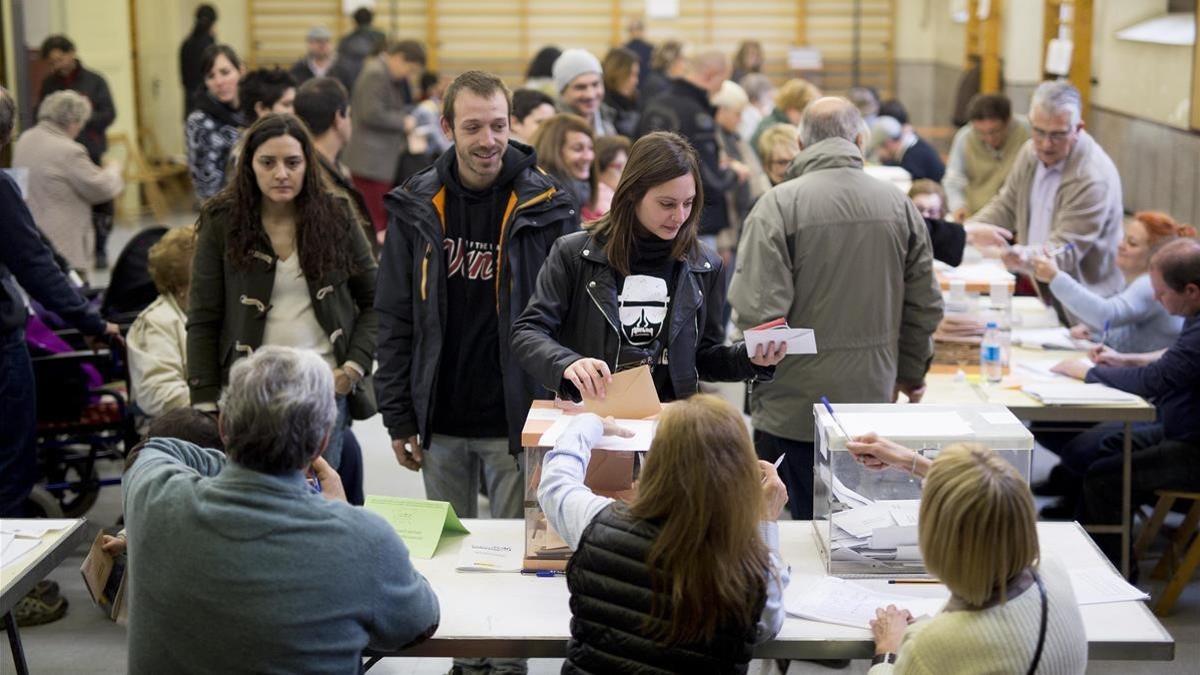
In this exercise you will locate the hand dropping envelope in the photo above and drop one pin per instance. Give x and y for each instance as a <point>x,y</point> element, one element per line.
<point>631,395</point>
<point>799,340</point>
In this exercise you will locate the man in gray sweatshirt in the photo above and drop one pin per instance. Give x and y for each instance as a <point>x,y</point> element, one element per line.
<point>236,564</point>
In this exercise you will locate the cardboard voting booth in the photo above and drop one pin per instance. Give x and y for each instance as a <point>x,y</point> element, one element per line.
<point>612,473</point>
<point>865,521</point>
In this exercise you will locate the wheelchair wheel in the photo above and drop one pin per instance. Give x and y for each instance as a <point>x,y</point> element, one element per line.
<point>42,504</point>
<point>75,485</point>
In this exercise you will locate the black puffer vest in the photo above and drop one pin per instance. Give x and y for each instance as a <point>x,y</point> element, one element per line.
<point>610,605</point>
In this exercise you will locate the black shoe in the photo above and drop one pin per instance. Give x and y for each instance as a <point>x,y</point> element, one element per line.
<point>1060,510</point>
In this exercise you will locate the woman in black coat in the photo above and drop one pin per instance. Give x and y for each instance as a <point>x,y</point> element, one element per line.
<point>637,288</point>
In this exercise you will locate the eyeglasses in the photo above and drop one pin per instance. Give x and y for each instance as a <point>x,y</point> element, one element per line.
<point>1052,136</point>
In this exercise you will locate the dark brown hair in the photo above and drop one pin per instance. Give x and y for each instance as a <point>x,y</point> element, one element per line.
<point>322,235</point>
<point>653,160</point>
<point>702,481</point>
<point>989,107</point>
<point>477,82</point>
<point>607,149</point>
<point>411,50</point>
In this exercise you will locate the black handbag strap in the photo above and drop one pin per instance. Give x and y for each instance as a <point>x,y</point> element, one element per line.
<point>1041,643</point>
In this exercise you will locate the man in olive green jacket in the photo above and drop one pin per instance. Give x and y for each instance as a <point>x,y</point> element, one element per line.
<point>837,251</point>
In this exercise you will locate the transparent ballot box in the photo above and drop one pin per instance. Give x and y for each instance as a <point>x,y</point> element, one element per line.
<point>865,520</point>
<point>610,473</point>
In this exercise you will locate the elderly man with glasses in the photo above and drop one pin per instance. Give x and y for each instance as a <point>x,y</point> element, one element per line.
<point>1062,198</point>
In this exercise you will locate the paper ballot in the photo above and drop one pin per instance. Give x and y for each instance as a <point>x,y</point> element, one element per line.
<point>846,603</point>
<point>643,434</point>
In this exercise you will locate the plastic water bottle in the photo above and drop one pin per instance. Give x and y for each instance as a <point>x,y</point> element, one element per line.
<point>1001,312</point>
<point>991,358</point>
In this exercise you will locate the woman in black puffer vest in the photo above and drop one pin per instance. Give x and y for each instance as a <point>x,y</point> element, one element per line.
<point>687,577</point>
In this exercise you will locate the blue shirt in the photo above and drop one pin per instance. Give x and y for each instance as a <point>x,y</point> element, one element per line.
<point>1172,383</point>
<point>234,570</point>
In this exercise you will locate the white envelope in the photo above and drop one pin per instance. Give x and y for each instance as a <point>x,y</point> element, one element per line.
<point>799,340</point>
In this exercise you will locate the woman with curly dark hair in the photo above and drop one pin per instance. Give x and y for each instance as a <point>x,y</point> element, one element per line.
<point>281,260</point>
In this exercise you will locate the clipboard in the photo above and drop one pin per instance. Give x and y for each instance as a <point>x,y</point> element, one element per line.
<point>631,395</point>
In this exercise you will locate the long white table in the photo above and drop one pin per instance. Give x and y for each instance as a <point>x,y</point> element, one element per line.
<point>513,615</point>
<point>18,576</point>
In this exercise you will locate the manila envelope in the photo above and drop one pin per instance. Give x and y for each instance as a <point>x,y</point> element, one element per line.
<point>631,396</point>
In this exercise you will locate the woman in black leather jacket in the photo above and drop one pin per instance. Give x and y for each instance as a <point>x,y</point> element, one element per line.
<point>637,288</point>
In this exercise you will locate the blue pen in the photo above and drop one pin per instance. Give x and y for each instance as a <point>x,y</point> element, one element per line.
<point>1060,250</point>
<point>1104,335</point>
<point>314,484</point>
<point>835,419</point>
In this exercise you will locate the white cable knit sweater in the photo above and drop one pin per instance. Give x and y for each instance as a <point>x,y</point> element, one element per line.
<point>999,639</point>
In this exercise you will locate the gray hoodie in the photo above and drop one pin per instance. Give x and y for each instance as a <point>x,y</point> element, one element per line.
<point>847,255</point>
<point>233,570</point>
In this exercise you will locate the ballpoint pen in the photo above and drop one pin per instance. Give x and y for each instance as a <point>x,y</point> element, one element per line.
<point>835,419</point>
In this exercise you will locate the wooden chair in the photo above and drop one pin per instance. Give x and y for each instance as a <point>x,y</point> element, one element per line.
<point>151,177</point>
<point>1188,531</point>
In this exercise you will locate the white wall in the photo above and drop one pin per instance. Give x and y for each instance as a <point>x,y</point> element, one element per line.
<point>1144,80</point>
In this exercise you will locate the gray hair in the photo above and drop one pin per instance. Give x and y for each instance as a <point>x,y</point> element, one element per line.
<point>1057,97</point>
<point>820,122</point>
<point>8,115</point>
<point>277,409</point>
<point>731,96</point>
<point>757,86</point>
<point>65,108</point>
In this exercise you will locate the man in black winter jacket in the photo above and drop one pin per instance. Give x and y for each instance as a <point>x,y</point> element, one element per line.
<point>25,259</point>
<point>66,72</point>
<point>685,109</point>
<point>466,238</point>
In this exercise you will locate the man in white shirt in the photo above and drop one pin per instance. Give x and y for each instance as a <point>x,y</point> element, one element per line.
<point>1063,196</point>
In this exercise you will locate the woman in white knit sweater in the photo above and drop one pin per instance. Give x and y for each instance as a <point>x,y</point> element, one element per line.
<point>977,529</point>
<point>1137,323</point>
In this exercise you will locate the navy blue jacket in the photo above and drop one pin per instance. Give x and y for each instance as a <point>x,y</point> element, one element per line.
<point>27,260</point>
<point>1172,383</point>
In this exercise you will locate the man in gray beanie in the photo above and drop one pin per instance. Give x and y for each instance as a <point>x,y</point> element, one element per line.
<point>579,80</point>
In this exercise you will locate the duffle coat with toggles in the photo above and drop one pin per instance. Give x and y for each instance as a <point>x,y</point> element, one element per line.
<point>228,308</point>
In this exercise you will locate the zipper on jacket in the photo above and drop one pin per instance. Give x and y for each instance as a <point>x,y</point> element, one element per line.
<point>617,357</point>
<point>504,223</point>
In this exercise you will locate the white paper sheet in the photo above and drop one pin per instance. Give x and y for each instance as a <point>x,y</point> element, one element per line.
<point>15,549</point>
<point>35,529</point>
<point>980,273</point>
<point>847,496</point>
<point>643,434</point>
<point>999,419</point>
<point>894,536</point>
<point>845,603</point>
<point>1100,584</point>
<point>906,424</point>
<point>480,555</point>
<point>1070,392</point>
<point>864,520</point>
<point>545,413</point>
<point>799,340</point>
<point>1044,338</point>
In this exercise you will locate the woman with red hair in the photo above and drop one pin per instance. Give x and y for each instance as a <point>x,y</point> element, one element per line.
<point>1136,322</point>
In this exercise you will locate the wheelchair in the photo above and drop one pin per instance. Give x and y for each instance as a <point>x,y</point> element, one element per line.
<point>85,416</point>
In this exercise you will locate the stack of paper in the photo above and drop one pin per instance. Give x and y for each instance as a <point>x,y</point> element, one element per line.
<point>1044,338</point>
<point>980,273</point>
<point>877,533</point>
<point>478,555</point>
<point>1101,584</point>
<point>846,603</point>
<point>1076,393</point>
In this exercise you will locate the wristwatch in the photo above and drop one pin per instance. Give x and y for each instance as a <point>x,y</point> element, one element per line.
<point>886,657</point>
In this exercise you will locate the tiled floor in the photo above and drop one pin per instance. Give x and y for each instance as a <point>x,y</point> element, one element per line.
<point>86,642</point>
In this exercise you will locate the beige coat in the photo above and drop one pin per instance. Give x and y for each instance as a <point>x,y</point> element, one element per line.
<point>1087,213</point>
<point>63,186</point>
<point>157,344</point>
<point>848,256</point>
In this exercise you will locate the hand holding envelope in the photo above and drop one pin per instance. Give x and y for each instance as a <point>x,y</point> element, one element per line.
<point>630,395</point>
<point>799,340</point>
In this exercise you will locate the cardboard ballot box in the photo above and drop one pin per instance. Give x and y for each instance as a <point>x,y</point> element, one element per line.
<point>610,473</point>
<point>865,521</point>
